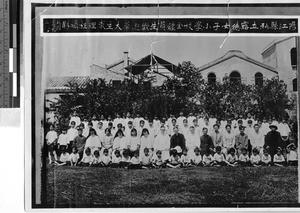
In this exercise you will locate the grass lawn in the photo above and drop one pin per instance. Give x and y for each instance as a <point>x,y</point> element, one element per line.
<point>217,186</point>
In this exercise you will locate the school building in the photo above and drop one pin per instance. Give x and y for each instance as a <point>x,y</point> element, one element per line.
<point>279,58</point>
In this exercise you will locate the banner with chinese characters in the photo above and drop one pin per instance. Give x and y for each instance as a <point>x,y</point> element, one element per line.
<point>169,25</point>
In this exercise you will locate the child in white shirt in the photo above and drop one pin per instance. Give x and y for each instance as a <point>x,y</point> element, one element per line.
<point>96,159</point>
<point>63,140</point>
<point>244,159</point>
<point>197,158</point>
<point>88,158</point>
<point>51,140</point>
<point>63,159</point>
<point>278,159</point>
<point>74,157</point>
<point>266,158</point>
<point>174,160</point>
<point>105,158</point>
<point>219,159</point>
<point>255,158</point>
<point>72,133</point>
<point>135,161</point>
<point>116,159</point>
<point>232,159</point>
<point>146,159</point>
<point>208,159</point>
<point>292,156</point>
<point>185,159</point>
<point>158,161</point>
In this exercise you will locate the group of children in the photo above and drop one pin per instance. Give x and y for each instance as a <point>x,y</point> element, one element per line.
<point>137,143</point>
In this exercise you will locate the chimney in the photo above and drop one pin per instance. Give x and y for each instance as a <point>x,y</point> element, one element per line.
<point>125,59</point>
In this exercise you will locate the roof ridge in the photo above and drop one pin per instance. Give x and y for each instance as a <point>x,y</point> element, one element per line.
<point>242,55</point>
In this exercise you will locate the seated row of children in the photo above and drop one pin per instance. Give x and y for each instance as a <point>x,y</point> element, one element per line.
<point>177,159</point>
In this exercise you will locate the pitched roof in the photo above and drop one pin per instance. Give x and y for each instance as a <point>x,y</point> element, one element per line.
<point>239,54</point>
<point>145,63</point>
<point>274,43</point>
<point>63,81</point>
<point>101,72</point>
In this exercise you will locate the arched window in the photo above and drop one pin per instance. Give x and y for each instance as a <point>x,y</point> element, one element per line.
<point>294,58</point>
<point>258,79</point>
<point>235,76</point>
<point>211,77</point>
<point>295,84</point>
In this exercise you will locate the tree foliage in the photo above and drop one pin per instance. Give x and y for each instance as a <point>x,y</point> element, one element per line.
<point>187,92</point>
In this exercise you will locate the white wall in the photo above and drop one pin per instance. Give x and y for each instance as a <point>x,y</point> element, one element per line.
<point>245,68</point>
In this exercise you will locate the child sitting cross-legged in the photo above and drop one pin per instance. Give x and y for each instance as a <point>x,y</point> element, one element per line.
<point>231,158</point>
<point>135,161</point>
<point>255,158</point>
<point>96,159</point>
<point>174,160</point>
<point>208,159</point>
<point>157,160</point>
<point>87,159</point>
<point>185,159</point>
<point>292,156</point>
<point>63,159</point>
<point>197,158</point>
<point>105,158</point>
<point>266,158</point>
<point>219,159</point>
<point>244,159</point>
<point>278,159</point>
<point>146,159</point>
<point>74,157</point>
<point>125,159</point>
<point>116,159</point>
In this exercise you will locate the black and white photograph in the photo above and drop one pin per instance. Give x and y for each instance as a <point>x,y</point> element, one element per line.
<point>163,106</point>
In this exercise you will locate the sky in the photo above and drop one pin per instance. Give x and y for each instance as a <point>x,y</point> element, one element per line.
<point>73,55</point>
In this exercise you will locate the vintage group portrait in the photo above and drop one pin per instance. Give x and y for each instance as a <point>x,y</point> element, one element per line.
<point>171,105</point>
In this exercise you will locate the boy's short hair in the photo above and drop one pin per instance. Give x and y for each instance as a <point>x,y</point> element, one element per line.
<point>244,149</point>
<point>227,126</point>
<point>249,121</point>
<point>255,150</point>
<point>240,121</point>
<point>197,149</point>
<point>256,125</point>
<point>204,128</point>
<point>142,121</point>
<point>87,150</point>
<point>117,152</point>
<point>231,150</point>
<point>174,151</point>
<point>96,152</point>
<point>241,128</point>
<point>129,122</point>
<point>105,150</point>
<point>174,119</point>
<point>218,148</point>
<point>146,149</point>
<point>73,123</point>
<point>207,151</point>
<point>158,152</point>
<point>126,152</point>
<point>216,125</point>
